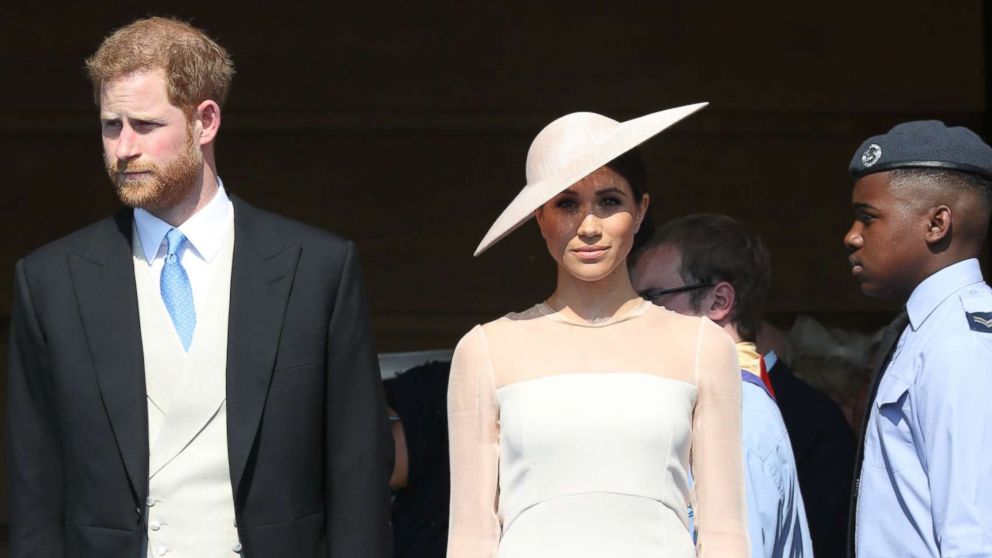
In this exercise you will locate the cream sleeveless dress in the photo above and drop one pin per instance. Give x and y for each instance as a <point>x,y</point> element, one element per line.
<point>573,440</point>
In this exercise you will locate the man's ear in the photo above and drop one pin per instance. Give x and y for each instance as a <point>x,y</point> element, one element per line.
<point>206,122</point>
<point>721,302</point>
<point>939,220</point>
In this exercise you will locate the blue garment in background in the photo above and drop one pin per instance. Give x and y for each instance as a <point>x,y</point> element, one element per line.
<point>775,514</point>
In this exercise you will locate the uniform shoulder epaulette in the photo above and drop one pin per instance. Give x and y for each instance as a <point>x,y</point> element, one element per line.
<point>978,309</point>
<point>980,321</point>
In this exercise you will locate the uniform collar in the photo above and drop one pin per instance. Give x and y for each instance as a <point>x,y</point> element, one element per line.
<point>204,230</point>
<point>934,290</point>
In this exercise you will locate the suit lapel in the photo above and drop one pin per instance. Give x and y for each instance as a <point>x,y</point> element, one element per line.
<point>103,278</point>
<point>261,278</point>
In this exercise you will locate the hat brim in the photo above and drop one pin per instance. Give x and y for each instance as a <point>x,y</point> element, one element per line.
<point>622,139</point>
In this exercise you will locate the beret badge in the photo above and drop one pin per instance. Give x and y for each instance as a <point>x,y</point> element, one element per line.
<point>871,155</point>
<point>923,144</point>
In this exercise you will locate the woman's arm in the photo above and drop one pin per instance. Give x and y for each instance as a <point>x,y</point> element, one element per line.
<point>717,458</point>
<point>473,431</point>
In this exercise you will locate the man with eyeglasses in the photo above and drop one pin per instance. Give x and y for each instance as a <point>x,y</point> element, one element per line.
<point>710,265</point>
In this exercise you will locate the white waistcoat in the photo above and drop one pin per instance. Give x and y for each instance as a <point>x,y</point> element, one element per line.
<point>190,502</point>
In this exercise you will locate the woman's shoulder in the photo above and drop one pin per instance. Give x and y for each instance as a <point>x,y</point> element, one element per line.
<point>683,321</point>
<point>683,332</point>
<point>505,324</point>
<point>514,321</point>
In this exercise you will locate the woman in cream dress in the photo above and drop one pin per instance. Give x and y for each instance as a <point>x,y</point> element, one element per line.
<point>573,424</point>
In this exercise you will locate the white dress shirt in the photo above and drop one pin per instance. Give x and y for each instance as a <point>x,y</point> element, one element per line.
<point>205,232</point>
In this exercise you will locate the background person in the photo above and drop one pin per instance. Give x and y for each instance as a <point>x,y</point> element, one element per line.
<point>711,265</point>
<point>834,362</point>
<point>822,443</point>
<point>421,481</point>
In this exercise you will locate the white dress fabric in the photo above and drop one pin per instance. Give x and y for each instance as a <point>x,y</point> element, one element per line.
<point>571,439</point>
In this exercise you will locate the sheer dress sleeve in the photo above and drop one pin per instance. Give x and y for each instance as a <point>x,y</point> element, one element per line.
<point>717,457</point>
<point>473,430</point>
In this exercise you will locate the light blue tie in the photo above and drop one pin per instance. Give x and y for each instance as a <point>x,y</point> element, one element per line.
<point>176,290</point>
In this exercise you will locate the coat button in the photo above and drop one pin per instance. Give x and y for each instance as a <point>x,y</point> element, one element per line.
<point>237,547</point>
<point>154,525</point>
<point>150,501</point>
<point>161,550</point>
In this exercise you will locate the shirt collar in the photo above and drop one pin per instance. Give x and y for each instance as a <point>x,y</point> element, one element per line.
<point>934,290</point>
<point>204,230</point>
<point>771,359</point>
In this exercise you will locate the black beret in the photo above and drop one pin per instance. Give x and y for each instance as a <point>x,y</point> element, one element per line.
<point>923,144</point>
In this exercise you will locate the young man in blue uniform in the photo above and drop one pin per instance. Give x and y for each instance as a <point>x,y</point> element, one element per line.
<point>924,473</point>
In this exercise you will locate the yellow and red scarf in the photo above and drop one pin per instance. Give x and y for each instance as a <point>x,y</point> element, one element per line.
<point>753,367</point>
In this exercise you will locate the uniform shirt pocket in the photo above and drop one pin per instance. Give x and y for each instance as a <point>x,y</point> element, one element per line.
<point>895,438</point>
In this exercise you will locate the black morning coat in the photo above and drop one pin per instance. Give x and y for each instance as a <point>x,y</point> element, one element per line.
<point>309,447</point>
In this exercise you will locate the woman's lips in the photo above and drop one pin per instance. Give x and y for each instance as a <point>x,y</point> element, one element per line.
<point>590,253</point>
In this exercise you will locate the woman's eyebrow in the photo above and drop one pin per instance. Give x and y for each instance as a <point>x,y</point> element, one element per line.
<point>611,190</point>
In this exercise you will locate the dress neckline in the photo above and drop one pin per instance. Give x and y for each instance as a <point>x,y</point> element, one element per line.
<point>595,377</point>
<point>546,310</point>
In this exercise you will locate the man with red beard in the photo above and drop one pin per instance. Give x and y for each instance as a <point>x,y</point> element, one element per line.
<point>191,376</point>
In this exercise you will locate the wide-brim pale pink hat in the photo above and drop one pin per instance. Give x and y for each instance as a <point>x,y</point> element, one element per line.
<point>568,150</point>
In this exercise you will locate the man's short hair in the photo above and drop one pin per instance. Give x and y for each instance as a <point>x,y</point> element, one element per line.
<point>716,248</point>
<point>976,186</point>
<point>196,67</point>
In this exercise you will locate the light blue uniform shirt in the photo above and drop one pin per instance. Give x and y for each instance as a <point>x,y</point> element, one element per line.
<point>776,517</point>
<point>926,480</point>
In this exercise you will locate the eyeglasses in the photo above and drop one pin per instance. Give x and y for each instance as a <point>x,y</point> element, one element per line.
<point>652,295</point>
